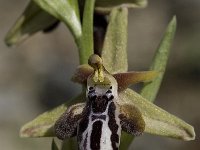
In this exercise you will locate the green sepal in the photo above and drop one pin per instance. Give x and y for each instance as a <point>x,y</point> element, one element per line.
<point>157,120</point>
<point>32,20</point>
<point>114,53</point>
<point>43,125</point>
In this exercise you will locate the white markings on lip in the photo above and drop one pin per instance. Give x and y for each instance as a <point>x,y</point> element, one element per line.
<point>103,116</point>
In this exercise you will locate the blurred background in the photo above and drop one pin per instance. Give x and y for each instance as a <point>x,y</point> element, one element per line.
<point>35,76</point>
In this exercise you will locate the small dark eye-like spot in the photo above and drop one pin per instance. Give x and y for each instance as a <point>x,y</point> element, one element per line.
<point>111,97</point>
<point>109,91</point>
<point>111,87</point>
<point>91,88</point>
<point>91,91</point>
<point>104,97</point>
<point>92,96</point>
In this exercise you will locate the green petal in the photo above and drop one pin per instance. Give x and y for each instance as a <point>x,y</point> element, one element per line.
<point>54,146</point>
<point>157,120</point>
<point>43,125</point>
<point>31,21</point>
<point>159,63</point>
<point>126,79</point>
<point>107,5</point>
<point>114,53</point>
<point>64,10</point>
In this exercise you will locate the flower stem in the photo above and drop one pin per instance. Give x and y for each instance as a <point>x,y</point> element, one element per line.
<point>86,46</point>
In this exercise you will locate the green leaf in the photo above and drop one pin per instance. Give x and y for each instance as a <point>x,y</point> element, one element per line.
<point>66,11</point>
<point>70,144</point>
<point>114,53</point>
<point>87,47</point>
<point>43,125</point>
<point>31,21</point>
<point>157,120</point>
<point>108,5</point>
<point>54,146</point>
<point>126,140</point>
<point>159,63</point>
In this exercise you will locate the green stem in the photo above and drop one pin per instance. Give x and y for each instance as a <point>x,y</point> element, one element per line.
<point>86,46</point>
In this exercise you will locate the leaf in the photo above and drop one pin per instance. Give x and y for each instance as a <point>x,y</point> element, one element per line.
<point>54,146</point>
<point>159,63</point>
<point>126,140</point>
<point>70,144</point>
<point>43,125</point>
<point>114,54</point>
<point>31,21</point>
<point>87,38</point>
<point>66,11</point>
<point>107,5</point>
<point>157,120</point>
